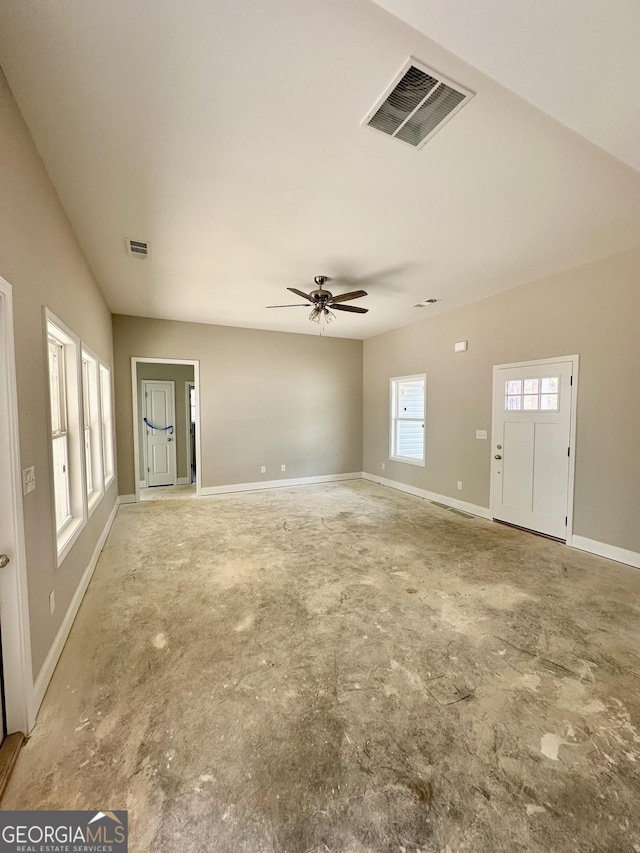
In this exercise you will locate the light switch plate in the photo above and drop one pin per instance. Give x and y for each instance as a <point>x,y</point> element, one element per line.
<point>481,433</point>
<point>28,480</point>
<point>461,346</point>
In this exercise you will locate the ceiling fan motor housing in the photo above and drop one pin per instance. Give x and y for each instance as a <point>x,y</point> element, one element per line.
<point>321,295</point>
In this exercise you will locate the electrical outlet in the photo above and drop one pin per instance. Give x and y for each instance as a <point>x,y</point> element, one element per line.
<point>263,469</point>
<point>283,467</point>
<point>481,433</point>
<point>52,602</point>
<point>460,485</point>
<point>28,480</point>
<point>383,466</point>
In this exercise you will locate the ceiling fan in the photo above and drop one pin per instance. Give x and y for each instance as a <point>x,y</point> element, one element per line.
<point>323,300</point>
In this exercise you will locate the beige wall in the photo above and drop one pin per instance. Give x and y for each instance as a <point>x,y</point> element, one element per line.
<point>266,398</point>
<point>593,310</point>
<point>179,374</point>
<point>40,258</point>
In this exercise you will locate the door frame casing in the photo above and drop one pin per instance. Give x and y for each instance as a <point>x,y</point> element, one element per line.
<point>14,601</point>
<point>195,363</point>
<point>189,384</point>
<point>575,360</point>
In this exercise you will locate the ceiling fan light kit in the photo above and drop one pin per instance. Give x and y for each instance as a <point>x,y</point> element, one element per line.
<point>319,314</point>
<point>323,300</point>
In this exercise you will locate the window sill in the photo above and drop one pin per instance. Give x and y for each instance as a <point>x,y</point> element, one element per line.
<point>408,460</point>
<point>93,500</point>
<point>68,536</point>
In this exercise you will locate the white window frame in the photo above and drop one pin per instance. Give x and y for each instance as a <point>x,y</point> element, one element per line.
<point>67,533</point>
<point>106,419</point>
<point>92,429</point>
<point>395,417</point>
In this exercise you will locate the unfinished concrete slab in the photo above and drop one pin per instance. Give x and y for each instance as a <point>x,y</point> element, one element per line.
<point>345,668</point>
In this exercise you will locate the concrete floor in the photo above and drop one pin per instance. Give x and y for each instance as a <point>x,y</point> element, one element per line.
<point>168,493</point>
<point>345,668</point>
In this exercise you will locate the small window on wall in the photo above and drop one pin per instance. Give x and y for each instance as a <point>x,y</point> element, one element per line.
<point>67,440</point>
<point>408,402</point>
<point>94,484</point>
<point>107,424</point>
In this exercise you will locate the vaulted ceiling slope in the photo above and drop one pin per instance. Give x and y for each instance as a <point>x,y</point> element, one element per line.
<point>229,135</point>
<point>578,60</point>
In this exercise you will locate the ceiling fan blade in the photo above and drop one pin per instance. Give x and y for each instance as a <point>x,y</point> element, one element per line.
<point>345,297</point>
<point>300,293</point>
<point>295,305</point>
<point>353,308</point>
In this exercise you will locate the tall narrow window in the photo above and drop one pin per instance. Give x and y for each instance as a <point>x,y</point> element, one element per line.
<point>92,429</point>
<point>67,440</point>
<point>408,398</point>
<point>59,435</point>
<point>107,424</point>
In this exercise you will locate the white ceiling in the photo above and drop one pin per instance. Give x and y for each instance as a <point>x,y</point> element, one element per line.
<point>229,136</point>
<point>578,60</point>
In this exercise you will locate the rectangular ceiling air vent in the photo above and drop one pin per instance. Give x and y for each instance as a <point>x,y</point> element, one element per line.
<point>417,104</point>
<point>138,249</point>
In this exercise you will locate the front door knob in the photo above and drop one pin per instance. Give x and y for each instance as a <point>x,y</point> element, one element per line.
<point>4,561</point>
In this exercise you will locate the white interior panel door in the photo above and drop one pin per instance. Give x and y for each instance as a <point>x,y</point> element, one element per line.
<point>532,408</point>
<point>159,413</point>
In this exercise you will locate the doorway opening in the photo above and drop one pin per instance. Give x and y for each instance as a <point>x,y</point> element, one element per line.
<point>533,445</point>
<point>166,434</point>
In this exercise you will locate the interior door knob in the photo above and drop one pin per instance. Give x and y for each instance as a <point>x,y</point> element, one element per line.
<point>497,456</point>
<point>4,561</point>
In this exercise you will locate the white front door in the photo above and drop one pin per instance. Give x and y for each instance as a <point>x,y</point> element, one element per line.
<point>532,412</point>
<point>158,399</point>
<point>17,680</point>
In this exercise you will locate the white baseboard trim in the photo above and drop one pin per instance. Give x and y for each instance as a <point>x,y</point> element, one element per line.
<point>142,484</point>
<point>51,660</point>
<point>472,509</point>
<point>126,499</point>
<point>183,481</point>
<point>611,552</point>
<point>278,484</point>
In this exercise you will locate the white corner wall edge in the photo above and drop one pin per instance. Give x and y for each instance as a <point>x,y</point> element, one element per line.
<point>455,503</point>
<point>611,552</point>
<point>206,491</point>
<point>126,499</point>
<point>50,663</point>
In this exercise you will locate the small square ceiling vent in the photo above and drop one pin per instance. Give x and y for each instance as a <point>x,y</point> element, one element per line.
<point>138,249</point>
<point>417,104</point>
